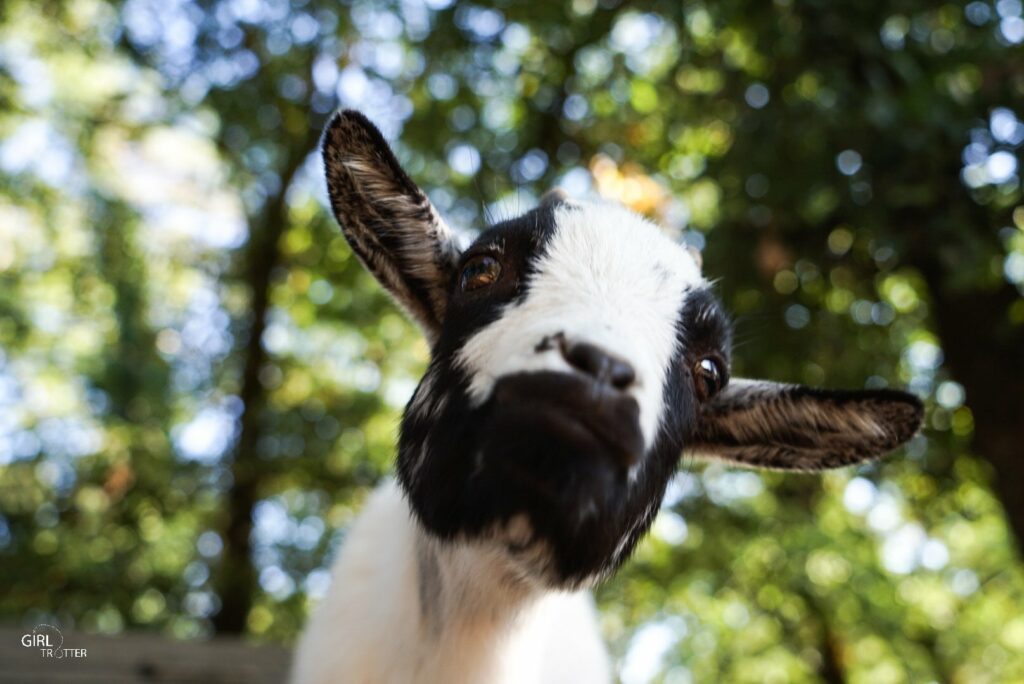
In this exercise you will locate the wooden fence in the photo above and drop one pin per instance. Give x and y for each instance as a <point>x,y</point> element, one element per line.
<point>140,659</point>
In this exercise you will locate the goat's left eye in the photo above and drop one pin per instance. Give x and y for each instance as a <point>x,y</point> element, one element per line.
<point>480,271</point>
<point>708,378</point>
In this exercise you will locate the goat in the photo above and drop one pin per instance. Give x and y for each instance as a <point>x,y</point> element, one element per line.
<point>576,353</point>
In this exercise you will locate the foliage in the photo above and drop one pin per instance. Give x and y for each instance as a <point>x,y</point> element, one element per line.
<point>187,344</point>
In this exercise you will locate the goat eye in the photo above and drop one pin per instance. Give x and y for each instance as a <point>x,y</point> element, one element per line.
<point>708,378</point>
<point>480,271</point>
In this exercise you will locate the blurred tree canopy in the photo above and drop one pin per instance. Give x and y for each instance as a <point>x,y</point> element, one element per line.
<point>199,384</point>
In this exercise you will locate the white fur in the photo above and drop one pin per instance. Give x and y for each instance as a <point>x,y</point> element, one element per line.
<point>609,278</point>
<point>405,606</point>
<point>370,628</point>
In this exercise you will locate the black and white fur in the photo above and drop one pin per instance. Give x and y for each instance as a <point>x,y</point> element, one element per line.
<point>536,450</point>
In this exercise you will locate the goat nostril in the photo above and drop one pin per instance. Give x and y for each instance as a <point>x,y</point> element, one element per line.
<point>598,364</point>
<point>622,374</point>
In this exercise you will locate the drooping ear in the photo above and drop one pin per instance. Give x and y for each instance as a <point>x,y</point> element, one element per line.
<point>389,222</point>
<point>791,427</point>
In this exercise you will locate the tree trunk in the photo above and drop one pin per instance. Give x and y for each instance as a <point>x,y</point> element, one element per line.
<point>985,353</point>
<point>236,581</point>
<point>830,646</point>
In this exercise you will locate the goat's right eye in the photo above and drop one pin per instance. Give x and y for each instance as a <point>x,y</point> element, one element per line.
<point>709,378</point>
<point>479,271</point>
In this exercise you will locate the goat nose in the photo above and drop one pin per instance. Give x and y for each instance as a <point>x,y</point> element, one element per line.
<point>599,364</point>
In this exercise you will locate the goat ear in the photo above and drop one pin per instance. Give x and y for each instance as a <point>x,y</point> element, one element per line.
<point>791,427</point>
<point>389,222</point>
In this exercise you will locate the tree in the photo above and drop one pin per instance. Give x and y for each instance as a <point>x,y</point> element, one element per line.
<point>198,383</point>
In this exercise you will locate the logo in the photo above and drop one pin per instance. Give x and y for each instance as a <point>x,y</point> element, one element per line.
<point>50,642</point>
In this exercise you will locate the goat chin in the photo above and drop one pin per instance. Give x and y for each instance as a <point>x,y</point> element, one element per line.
<point>403,607</point>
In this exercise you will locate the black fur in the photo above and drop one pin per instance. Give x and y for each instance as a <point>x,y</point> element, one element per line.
<point>563,449</point>
<point>466,469</point>
<point>792,427</point>
<point>517,244</point>
<point>387,219</point>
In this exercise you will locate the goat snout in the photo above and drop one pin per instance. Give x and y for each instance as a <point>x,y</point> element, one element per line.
<point>592,361</point>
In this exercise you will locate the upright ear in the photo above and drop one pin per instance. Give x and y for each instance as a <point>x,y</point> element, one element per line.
<point>389,222</point>
<point>792,427</point>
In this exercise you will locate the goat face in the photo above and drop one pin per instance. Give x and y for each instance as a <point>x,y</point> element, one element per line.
<point>561,383</point>
<point>577,352</point>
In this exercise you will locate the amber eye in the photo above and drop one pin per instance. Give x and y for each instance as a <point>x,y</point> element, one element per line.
<point>480,271</point>
<point>708,378</point>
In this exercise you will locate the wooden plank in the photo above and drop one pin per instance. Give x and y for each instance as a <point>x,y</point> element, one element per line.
<point>141,659</point>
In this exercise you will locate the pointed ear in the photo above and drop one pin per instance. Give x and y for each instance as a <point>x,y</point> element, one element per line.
<point>389,222</point>
<point>791,427</point>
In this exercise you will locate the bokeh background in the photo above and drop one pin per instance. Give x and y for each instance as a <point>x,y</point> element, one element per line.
<point>199,384</point>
